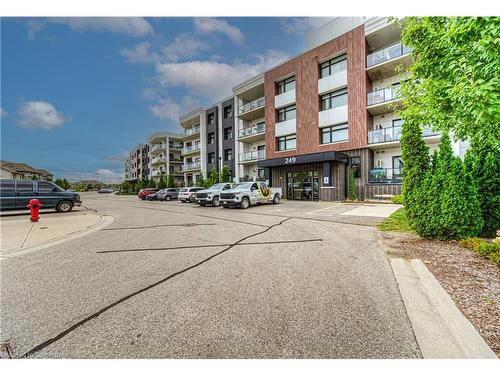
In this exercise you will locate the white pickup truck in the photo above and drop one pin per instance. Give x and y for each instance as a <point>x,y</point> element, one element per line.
<point>247,193</point>
<point>212,194</point>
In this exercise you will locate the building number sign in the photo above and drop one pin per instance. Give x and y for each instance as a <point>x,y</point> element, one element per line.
<point>290,160</point>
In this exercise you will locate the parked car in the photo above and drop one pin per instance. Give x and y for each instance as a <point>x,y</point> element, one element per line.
<point>16,194</point>
<point>212,194</point>
<point>168,194</point>
<point>105,191</point>
<point>143,193</point>
<point>187,194</point>
<point>247,193</point>
<point>153,196</point>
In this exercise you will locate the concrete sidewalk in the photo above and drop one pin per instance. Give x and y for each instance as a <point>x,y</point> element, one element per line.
<point>20,233</point>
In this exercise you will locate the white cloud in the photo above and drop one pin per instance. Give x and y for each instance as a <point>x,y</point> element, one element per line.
<point>139,54</point>
<point>132,26</point>
<point>3,113</point>
<point>212,79</point>
<point>39,115</point>
<point>183,46</point>
<point>207,25</point>
<point>168,109</point>
<point>302,25</point>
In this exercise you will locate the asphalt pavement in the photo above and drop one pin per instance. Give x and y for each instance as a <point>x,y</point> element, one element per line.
<point>174,280</point>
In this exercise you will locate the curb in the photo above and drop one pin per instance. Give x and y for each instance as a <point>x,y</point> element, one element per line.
<point>441,330</point>
<point>104,222</point>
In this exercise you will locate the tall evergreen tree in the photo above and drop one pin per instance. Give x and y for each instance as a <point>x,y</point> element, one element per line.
<point>161,183</point>
<point>225,175</point>
<point>170,181</point>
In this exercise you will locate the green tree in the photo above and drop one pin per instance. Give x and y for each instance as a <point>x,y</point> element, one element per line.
<point>34,177</point>
<point>213,178</point>
<point>151,184</point>
<point>59,183</point>
<point>353,196</point>
<point>483,162</point>
<point>170,181</point>
<point>455,74</point>
<point>126,187</point>
<point>139,185</point>
<point>225,175</point>
<point>66,184</point>
<point>161,183</point>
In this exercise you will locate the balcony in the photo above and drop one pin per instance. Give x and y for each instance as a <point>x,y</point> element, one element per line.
<point>252,156</point>
<point>285,128</point>
<point>190,132</point>
<point>176,146</point>
<point>191,149</point>
<point>333,116</point>
<point>252,133</point>
<point>385,176</point>
<point>252,110</point>
<point>383,63</point>
<point>282,100</point>
<point>332,82</point>
<point>158,160</point>
<point>381,138</point>
<point>191,166</point>
<point>384,100</point>
<point>156,148</point>
<point>157,173</point>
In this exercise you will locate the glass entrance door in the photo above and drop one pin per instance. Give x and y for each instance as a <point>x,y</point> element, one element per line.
<point>303,186</point>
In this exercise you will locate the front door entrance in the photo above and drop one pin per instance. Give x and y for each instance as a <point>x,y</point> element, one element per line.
<point>303,186</point>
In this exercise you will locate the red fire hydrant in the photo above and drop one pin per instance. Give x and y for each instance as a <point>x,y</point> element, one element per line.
<point>34,207</point>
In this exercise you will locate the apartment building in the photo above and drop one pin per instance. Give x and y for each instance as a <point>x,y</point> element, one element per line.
<point>194,135</point>
<point>23,171</point>
<point>136,164</point>
<point>165,156</point>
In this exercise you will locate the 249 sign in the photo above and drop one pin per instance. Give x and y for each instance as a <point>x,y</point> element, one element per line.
<point>290,160</point>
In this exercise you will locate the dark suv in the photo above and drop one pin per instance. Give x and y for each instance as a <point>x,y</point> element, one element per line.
<point>16,194</point>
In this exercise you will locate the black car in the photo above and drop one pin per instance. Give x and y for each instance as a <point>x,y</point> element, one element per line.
<point>16,194</point>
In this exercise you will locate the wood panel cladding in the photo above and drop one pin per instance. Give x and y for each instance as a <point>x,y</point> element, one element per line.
<point>306,70</point>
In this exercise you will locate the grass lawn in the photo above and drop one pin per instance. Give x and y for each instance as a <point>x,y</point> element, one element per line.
<point>396,222</point>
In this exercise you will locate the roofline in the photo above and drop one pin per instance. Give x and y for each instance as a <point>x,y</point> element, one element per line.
<point>188,115</point>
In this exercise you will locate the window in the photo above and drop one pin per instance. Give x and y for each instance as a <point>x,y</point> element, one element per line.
<point>356,166</point>
<point>332,134</point>
<point>228,111</point>
<point>287,113</point>
<point>228,133</point>
<point>211,158</point>
<point>397,122</point>
<point>211,138</point>
<point>261,173</point>
<point>286,85</point>
<point>228,155</point>
<point>24,186</point>
<point>210,118</point>
<point>7,186</point>
<point>334,99</point>
<point>287,142</point>
<point>45,187</point>
<point>333,66</point>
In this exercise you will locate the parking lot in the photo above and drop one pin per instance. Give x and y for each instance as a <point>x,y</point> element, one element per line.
<point>175,280</point>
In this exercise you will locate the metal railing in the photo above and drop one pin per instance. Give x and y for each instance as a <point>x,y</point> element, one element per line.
<point>161,159</point>
<point>254,104</point>
<point>252,130</point>
<point>383,95</point>
<point>252,155</point>
<point>386,54</point>
<point>191,166</point>
<point>391,134</point>
<point>191,148</point>
<point>191,131</point>
<point>176,146</point>
<point>385,175</point>
<point>158,146</point>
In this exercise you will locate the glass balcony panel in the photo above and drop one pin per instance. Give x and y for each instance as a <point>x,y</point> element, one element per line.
<point>386,54</point>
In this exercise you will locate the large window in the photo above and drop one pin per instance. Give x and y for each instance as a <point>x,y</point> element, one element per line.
<point>228,111</point>
<point>228,133</point>
<point>45,187</point>
<point>210,118</point>
<point>228,154</point>
<point>211,138</point>
<point>287,113</point>
<point>286,85</point>
<point>333,66</point>
<point>211,158</point>
<point>287,142</point>
<point>334,99</point>
<point>332,134</point>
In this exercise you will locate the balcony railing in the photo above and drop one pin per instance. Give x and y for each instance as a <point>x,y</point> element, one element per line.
<point>158,160</point>
<point>158,146</point>
<point>191,148</point>
<point>176,146</point>
<point>386,54</point>
<point>157,173</point>
<point>252,155</point>
<point>251,105</point>
<point>252,130</point>
<point>382,96</point>
<point>392,134</point>
<point>191,131</point>
<point>385,175</point>
<point>191,166</point>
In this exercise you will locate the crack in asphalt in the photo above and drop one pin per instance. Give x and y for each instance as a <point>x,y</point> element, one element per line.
<point>62,334</point>
<point>207,246</point>
<point>159,226</point>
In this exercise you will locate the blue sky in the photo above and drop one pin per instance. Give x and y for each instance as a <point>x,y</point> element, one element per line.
<point>78,93</point>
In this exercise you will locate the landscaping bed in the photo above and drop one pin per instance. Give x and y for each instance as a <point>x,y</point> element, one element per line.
<point>472,281</point>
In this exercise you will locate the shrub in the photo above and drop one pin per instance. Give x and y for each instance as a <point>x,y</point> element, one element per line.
<point>471,243</point>
<point>398,199</point>
<point>170,182</point>
<point>353,196</point>
<point>487,248</point>
<point>495,257</point>
<point>161,183</point>
<point>225,175</point>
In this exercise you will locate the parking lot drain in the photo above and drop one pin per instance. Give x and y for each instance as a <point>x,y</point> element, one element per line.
<point>70,329</point>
